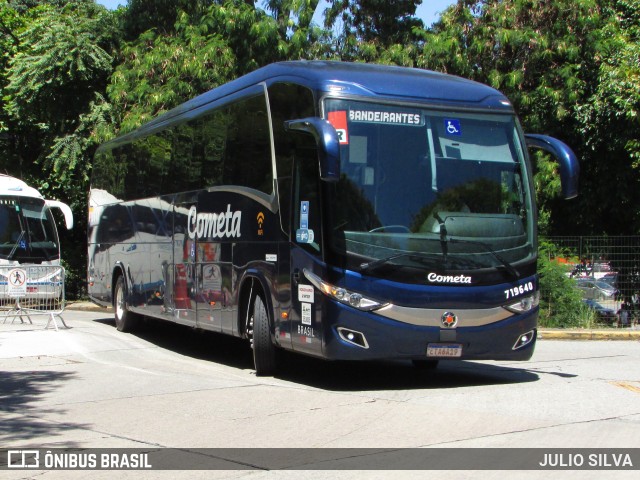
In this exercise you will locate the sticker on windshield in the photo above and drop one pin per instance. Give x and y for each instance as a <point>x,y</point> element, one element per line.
<point>305,235</point>
<point>390,118</point>
<point>339,122</point>
<point>452,126</point>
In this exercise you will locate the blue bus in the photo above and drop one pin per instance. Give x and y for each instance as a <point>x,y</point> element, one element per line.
<point>342,211</point>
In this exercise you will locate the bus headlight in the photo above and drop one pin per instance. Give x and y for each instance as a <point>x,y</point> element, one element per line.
<point>524,304</point>
<point>343,295</point>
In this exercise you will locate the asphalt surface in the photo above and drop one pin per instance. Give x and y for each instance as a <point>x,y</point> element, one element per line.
<point>629,333</point>
<point>173,387</point>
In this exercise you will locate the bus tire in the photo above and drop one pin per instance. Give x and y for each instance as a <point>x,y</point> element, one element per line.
<point>125,320</point>
<point>264,351</point>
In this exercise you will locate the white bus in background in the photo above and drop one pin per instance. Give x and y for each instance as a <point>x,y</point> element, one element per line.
<point>28,234</point>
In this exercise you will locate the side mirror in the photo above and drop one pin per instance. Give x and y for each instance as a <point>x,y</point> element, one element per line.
<point>328,144</point>
<point>65,209</point>
<point>569,166</point>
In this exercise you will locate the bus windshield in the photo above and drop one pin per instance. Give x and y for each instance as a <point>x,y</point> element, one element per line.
<point>27,231</point>
<point>429,188</point>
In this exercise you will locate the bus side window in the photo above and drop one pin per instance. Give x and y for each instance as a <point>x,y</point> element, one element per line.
<point>214,140</point>
<point>248,145</point>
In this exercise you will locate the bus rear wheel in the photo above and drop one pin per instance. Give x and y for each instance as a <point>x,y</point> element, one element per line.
<point>264,351</point>
<point>125,320</point>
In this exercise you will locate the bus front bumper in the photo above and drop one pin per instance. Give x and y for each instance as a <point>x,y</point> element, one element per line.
<point>355,335</point>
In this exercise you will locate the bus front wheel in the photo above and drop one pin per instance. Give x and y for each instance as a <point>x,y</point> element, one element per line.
<point>264,351</point>
<point>125,320</point>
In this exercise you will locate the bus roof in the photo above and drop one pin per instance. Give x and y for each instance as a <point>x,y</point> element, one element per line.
<point>14,187</point>
<point>382,82</point>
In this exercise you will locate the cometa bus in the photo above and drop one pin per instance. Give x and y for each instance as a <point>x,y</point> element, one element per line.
<point>343,211</point>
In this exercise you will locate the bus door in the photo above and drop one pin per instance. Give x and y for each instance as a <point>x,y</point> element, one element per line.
<point>306,325</point>
<point>181,304</point>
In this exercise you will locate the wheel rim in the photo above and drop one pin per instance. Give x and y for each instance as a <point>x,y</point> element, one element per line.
<point>250,331</point>
<point>119,303</point>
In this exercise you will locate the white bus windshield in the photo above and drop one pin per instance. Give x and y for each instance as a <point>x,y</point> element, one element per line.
<point>27,231</point>
<point>420,187</point>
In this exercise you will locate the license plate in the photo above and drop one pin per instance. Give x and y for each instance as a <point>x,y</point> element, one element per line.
<point>444,350</point>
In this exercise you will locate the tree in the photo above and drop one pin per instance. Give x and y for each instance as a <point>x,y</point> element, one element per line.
<point>59,60</point>
<point>302,38</point>
<point>609,124</point>
<point>568,67</point>
<point>366,29</point>
<point>10,26</point>
<point>159,70</point>
<point>160,15</point>
<point>560,302</point>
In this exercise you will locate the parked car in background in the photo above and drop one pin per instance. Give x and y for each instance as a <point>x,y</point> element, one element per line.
<point>611,278</point>
<point>596,270</point>
<point>593,289</point>
<point>604,314</point>
<point>599,270</point>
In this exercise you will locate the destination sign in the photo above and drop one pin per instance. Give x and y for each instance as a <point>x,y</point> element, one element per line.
<point>386,117</point>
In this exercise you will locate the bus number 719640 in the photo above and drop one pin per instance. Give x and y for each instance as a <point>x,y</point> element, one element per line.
<point>519,290</point>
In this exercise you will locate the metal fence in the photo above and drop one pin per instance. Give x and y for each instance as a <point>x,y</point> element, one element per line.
<point>607,271</point>
<point>31,290</point>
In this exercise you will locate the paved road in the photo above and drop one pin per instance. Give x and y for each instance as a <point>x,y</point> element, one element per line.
<point>170,386</point>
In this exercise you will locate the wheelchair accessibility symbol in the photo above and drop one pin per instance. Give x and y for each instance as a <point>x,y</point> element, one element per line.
<point>452,126</point>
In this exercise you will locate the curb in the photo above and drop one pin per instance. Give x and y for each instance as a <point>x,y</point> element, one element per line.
<point>87,307</point>
<point>575,334</point>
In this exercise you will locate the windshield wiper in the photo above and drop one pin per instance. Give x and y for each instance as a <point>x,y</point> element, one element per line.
<point>415,256</point>
<point>443,236</point>
<point>445,240</point>
<point>508,267</point>
<point>15,246</point>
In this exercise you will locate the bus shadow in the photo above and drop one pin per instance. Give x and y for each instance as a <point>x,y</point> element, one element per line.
<point>194,343</point>
<point>396,374</point>
<point>328,375</point>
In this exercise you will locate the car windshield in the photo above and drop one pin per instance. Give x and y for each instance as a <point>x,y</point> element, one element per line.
<point>27,231</point>
<point>425,188</point>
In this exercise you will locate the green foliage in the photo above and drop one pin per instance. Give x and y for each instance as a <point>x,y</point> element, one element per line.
<point>59,55</point>
<point>560,302</point>
<point>60,61</point>
<point>609,123</point>
<point>571,70</point>
<point>68,82</point>
<point>160,72</point>
<point>534,52</point>
<point>366,29</point>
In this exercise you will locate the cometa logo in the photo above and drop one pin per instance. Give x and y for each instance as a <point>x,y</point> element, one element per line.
<point>214,225</point>
<point>435,278</point>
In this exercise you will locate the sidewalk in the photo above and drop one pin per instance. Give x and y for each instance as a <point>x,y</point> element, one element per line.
<point>543,333</point>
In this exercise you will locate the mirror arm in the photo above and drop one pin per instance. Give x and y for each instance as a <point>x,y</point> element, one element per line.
<point>328,144</point>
